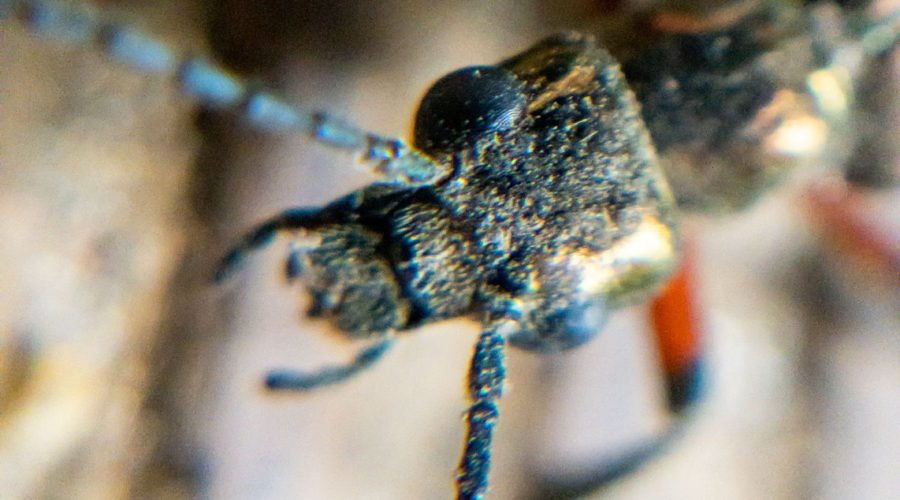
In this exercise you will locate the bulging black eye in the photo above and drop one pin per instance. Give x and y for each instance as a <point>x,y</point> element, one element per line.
<point>468,104</point>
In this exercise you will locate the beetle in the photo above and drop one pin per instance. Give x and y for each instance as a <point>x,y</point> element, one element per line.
<point>537,298</point>
<point>553,211</point>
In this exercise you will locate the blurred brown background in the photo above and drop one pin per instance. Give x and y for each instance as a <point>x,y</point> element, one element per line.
<point>124,373</point>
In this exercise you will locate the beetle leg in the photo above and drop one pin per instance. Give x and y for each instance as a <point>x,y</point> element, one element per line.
<point>678,337</point>
<point>487,373</point>
<point>290,220</point>
<point>293,380</point>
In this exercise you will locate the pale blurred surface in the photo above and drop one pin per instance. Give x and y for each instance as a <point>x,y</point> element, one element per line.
<point>94,166</point>
<point>125,374</point>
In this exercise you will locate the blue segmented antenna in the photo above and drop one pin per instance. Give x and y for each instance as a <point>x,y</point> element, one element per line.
<point>212,86</point>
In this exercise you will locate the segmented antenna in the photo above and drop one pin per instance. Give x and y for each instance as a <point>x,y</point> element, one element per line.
<point>212,86</point>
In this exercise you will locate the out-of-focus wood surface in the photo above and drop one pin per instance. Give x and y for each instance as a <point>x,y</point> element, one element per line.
<point>95,166</point>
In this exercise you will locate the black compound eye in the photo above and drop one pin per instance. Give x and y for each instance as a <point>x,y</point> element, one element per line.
<point>468,104</point>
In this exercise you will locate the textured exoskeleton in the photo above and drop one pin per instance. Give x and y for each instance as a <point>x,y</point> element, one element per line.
<point>553,211</point>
